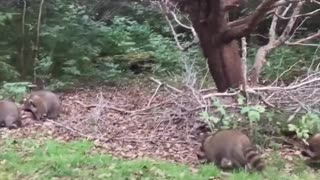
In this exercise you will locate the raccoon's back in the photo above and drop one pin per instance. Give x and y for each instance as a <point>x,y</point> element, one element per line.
<point>227,144</point>
<point>50,98</point>
<point>44,94</point>
<point>8,108</point>
<point>228,139</point>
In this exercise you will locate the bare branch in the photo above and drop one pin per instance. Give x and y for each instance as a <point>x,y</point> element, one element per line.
<point>155,93</point>
<point>312,13</point>
<point>253,20</point>
<point>284,72</point>
<point>274,42</point>
<point>171,13</point>
<point>301,41</point>
<point>315,1</point>
<point>175,35</point>
<point>167,85</point>
<point>242,21</point>
<point>286,2</point>
<point>244,65</point>
<point>285,34</point>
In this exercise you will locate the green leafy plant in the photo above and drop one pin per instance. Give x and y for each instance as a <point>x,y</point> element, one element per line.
<point>253,112</point>
<point>14,91</point>
<point>309,123</point>
<point>74,47</point>
<point>5,16</point>
<point>224,120</point>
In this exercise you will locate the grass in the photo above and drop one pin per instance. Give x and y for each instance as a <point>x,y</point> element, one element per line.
<point>29,159</point>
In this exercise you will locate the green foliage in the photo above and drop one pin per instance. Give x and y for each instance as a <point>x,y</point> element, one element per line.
<point>140,39</point>
<point>75,48</point>
<point>224,120</point>
<point>14,91</point>
<point>31,159</point>
<point>71,41</point>
<point>228,120</point>
<point>258,118</point>
<point>7,71</point>
<point>309,123</point>
<point>295,60</point>
<point>253,112</point>
<point>5,16</point>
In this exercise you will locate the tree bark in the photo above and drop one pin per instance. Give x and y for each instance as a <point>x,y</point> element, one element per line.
<point>218,37</point>
<point>223,57</point>
<point>224,64</point>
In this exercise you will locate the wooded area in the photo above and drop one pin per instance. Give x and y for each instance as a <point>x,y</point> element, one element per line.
<point>152,78</point>
<point>44,36</point>
<point>218,35</point>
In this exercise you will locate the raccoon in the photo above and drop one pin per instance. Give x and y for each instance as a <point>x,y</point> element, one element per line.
<point>231,149</point>
<point>10,116</point>
<point>42,104</point>
<point>313,149</point>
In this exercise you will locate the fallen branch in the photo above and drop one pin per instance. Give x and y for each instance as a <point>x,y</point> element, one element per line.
<point>155,93</point>
<point>95,105</point>
<point>89,137</point>
<point>221,94</point>
<point>165,84</point>
<point>123,110</point>
<point>248,91</point>
<point>301,41</point>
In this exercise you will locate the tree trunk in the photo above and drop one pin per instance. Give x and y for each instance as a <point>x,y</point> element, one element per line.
<point>218,37</point>
<point>223,56</point>
<point>224,64</point>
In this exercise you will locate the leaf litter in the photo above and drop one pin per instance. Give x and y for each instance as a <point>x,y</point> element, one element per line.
<point>129,122</point>
<point>123,122</point>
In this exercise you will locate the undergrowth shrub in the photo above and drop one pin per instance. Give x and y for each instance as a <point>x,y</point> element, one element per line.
<point>294,61</point>
<point>259,121</point>
<point>307,124</point>
<point>74,48</point>
<point>14,91</point>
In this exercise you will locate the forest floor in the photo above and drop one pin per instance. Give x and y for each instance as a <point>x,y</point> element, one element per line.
<point>136,121</point>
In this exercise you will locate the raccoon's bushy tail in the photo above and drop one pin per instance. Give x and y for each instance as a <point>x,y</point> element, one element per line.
<point>254,159</point>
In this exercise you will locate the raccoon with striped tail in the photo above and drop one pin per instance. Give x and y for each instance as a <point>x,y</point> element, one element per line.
<point>10,116</point>
<point>230,149</point>
<point>43,104</point>
<point>312,150</point>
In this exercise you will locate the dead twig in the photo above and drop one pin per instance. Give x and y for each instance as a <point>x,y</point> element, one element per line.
<point>301,93</point>
<point>123,110</point>
<point>165,84</point>
<point>220,94</point>
<point>155,92</point>
<point>89,137</point>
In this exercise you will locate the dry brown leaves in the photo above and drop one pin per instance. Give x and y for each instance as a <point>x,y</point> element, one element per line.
<point>119,121</point>
<point>136,120</point>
